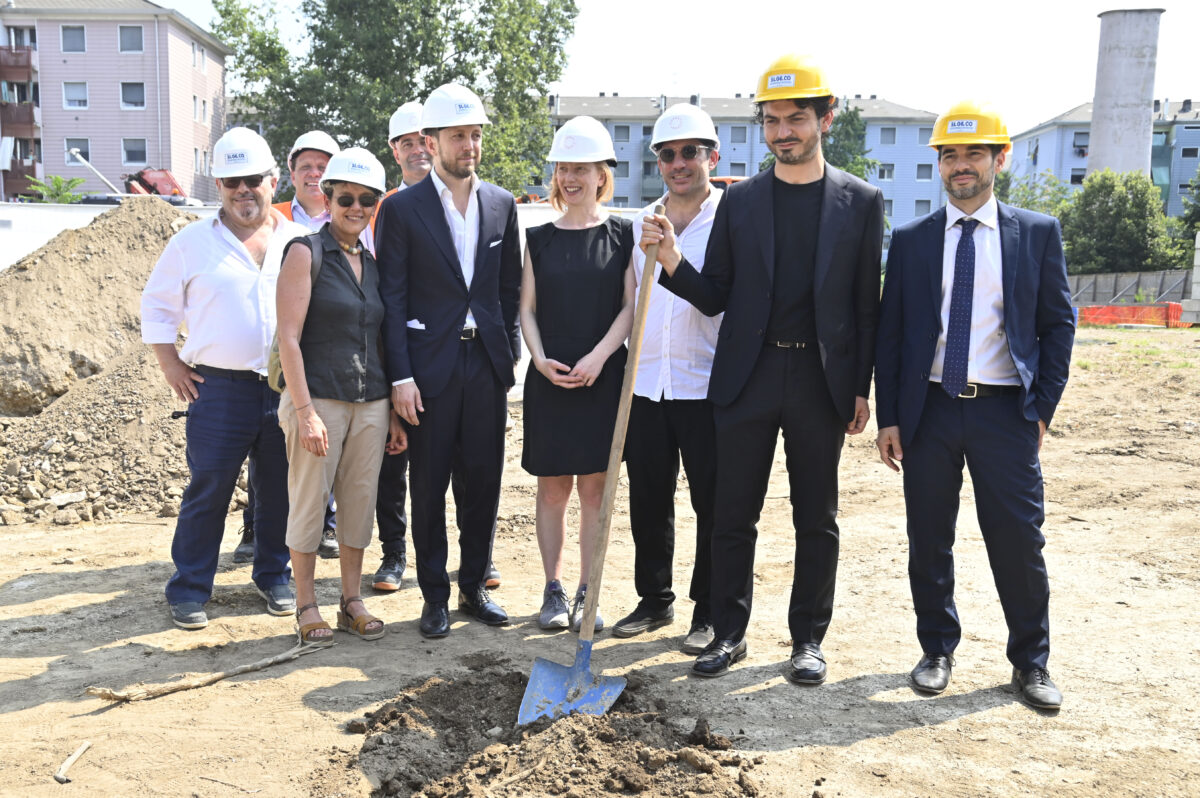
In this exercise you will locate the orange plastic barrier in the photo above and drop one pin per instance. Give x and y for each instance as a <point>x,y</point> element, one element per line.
<point>1162,314</point>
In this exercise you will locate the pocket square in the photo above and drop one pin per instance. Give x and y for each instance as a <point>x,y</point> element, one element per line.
<point>415,324</point>
<point>494,243</point>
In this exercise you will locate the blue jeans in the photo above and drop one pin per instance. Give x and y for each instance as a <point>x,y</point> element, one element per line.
<point>231,419</point>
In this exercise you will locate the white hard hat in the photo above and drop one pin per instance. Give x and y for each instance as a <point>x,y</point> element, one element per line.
<point>407,119</point>
<point>317,140</point>
<point>241,152</point>
<point>684,121</point>
<point>355,165</point>
<point>582,140</point>
<point>450,105</point>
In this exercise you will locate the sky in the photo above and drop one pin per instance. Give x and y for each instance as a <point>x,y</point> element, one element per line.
<point>1032,59</point>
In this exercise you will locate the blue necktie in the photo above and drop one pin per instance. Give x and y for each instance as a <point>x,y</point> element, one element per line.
<point>958,334</point>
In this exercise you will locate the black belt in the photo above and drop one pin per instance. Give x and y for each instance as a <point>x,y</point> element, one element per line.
<point>975,390</point>
<point>790,344</point>
<point>468,334</point>
<point>232,374</point>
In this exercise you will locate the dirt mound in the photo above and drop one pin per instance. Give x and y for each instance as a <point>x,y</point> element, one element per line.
<point>73,305</point>
<point>445,738</point>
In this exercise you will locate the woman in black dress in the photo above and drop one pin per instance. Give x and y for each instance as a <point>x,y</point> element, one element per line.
<point>577,296</point>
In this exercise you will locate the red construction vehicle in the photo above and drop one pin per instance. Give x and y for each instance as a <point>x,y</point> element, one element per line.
<point>154,181</point>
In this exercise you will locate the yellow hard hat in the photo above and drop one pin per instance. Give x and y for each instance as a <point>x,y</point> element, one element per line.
<point>792,77</point>
<point>970,122</point>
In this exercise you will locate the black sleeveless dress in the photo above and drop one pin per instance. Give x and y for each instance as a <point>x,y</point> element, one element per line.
<point>580,280</point>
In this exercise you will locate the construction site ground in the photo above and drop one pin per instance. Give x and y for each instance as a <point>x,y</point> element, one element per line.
<point>81,604</point>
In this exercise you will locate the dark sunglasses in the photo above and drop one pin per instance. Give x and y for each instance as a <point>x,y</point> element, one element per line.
<point>364,200</point>
<point>690,152</point>
<point>251,181</point>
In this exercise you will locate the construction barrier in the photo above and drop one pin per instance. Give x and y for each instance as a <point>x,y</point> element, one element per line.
<point>1159,314</point>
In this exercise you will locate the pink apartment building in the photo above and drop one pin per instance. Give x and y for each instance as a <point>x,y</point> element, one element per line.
<point>128,83</point>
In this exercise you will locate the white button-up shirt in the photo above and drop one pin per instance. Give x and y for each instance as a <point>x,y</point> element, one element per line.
<point>679,341</point>
<point>464,230</point>
<point>990,361</point>
<point>208,282</point>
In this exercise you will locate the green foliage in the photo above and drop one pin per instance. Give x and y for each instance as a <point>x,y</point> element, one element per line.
<point>1043,193</point>
<point>366,57</point>
<point>845,145</point>
<point>1189,222</point>
<point>1116,224</point>
<point>766,163</point>
<point>60,190</point>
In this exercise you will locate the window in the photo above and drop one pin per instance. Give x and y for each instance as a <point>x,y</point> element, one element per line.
<point>23,37</point>
<point>737,134</point>
<point>737,169</point>
<point>75,95</point>
<point>620,201</point>
<point>1080,138</point>
<point>74,40</point>
<point>762,136</point>
<point>1190,152</point>
<point>887,207</point>
<point>1077,176</point>
<point>621,133</point>
<point>649,198</point>
<point>924,171</point>
<point>133,152</point>
<point>194,54</point>
<point>649,168</point>
<point>195,108</point>
<point>887,242</point>
<point>887,135</point>
<point>206,163</point>
<point>923,135</point>
<point>887,171</point>
<point>133,96</point>
<point>204,111</point>
<point>203,59</point>
<point>130,38</point>
<point>196,160</point>
<point>921,207</point>
<point>84,147</point>
<point>622,169</point>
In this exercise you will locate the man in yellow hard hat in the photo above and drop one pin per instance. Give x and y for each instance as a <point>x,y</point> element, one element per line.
<point>793,261</point>
<point>973,351</point>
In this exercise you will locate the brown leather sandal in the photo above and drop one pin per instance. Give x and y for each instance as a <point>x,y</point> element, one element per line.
<point>358,626</point>
<point>304,631</point>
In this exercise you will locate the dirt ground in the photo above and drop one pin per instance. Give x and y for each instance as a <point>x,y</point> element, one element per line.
<point>82,605</point>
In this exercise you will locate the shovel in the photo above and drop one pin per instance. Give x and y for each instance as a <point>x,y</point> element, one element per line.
<point>555,690</point>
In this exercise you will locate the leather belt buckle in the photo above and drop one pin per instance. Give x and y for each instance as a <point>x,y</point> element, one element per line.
<point>789,344</point>
<point>971,391</point>
<point>468,334</point>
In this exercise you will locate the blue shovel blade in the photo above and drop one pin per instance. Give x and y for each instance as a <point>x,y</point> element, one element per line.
<point>555,690</point>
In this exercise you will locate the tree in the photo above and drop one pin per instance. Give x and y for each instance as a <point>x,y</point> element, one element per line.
<point>1116,224</point>
<point>1189,222</point>
<point>60,190</point>
<point>366,58</point>
<point>1043,193</point>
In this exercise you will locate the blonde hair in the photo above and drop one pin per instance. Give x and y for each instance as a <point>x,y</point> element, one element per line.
<point>604,192</point>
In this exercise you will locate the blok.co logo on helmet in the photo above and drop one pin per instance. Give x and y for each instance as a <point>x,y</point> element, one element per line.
<point>961,125</point>
<point>463,108</point>
<point>235,158</point>
<point>779,81</point>
<point>359,167</point>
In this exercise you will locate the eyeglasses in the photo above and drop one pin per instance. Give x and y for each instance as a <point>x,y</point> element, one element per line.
<point>251,181</point>
<point>690,152</point>
<point>364,200</point>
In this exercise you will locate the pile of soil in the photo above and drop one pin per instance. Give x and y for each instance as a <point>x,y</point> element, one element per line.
<point>443,738</point>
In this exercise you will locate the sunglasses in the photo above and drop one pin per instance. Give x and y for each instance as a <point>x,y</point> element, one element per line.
<point>690,152</point>
<point>364,200</point>
<point>251,181</point>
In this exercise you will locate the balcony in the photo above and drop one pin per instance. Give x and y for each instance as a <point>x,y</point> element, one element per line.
<point>21,120</point>
<point>18,64</point>
<point>652,186</point>
<point>16,179</point>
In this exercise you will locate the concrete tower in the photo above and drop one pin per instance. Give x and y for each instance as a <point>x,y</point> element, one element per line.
<point>1121,120</point>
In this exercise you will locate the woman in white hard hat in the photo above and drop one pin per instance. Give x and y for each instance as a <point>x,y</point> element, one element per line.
<point>576,312</point>
<point>334,410</point>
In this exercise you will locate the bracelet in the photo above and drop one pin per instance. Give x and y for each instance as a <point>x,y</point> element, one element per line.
<point>301,407</point>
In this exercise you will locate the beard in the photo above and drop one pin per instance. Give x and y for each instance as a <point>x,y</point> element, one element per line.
<point>247,213</point>
<point>982,182</point>
<point>453,167</point>
<point>800,155</point>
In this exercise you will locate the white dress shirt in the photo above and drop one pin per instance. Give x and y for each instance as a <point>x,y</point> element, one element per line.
<point>990,361</point>
<point>464,230</point>
<point>208,282</point>
<point>679,341</point>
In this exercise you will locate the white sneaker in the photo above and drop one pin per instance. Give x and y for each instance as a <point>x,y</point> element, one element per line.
<point>577,610</point>
<point>555,614</point>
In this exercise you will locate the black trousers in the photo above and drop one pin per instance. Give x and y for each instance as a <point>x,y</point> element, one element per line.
<point>389,504</point>
<point>660,433</point>
<point>461,432</point>
<point>785,391</point>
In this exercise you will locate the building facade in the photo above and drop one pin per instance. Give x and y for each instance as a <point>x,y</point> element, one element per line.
<point>127,83</point>
<point>1060,145</point>
<point>896,136</point>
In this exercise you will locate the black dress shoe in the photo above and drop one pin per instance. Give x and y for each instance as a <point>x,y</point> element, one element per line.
<point>720,654</point>
<point>932,674</point>
<point>807,665</point>
<point>643,619</point>
<point>1037,689</point>
<point>479,605</point>
<point>435,619</point>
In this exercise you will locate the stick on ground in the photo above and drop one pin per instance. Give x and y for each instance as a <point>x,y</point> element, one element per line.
<point>61,774</point>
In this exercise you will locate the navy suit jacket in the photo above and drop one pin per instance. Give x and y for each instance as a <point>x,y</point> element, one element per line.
<point>739,270</point>
<point>425,295</point>
<point>1038,321</point>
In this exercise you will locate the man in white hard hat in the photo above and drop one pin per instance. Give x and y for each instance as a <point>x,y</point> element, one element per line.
<point>671,418</point>
<point>450,275</point>
<point>216,277</point>
<point>793,260</point>
<point>306,163</point>
<point>408,145</point>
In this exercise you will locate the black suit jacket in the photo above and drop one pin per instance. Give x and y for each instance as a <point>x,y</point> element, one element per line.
<point>1038,321</point>
<point>425,295</point>
<point>739,269</point>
